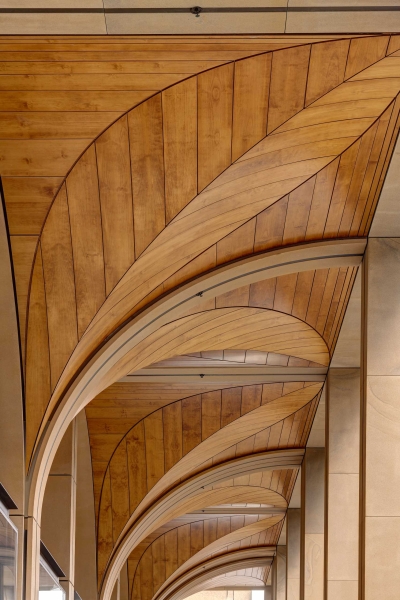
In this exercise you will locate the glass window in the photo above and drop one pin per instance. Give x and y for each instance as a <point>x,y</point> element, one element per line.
<point>8,556</point>
<point>49,588</point>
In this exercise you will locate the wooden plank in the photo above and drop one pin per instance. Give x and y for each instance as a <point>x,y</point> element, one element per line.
<point>191,423</point>
<point>90,81</point>
<point>153,426</point>
<point>238,243</point>
<point>251,398</point>
<point>270,225</point>
<point>146,150</point>
<point>146,576</point>
<point>52,124</point>
<point>302,294</point>
<point>86,67</point>
<point>324,184</point>
<point>37,381</point>
<point>60,285</point>
<point>39,158</point>
<point>288,84</point>
<point>27,201</point>
<point>196,537</point>
<point>364,52</point>
<point>316,296</point>
<point>342,184</point>
<point>33,101</point>
<point>326,299</point>
<point>87,239</point>
<point>262,293</point>
<point>179,105</point>
<point>327,67</point>
<point>231,401</point>
<point>238,297</point>
<point>119,489</point>
<point>210,413</point>
<point>159,552</point>
<point>171,556</point>
<point>172,422</point>
<point>215,100</point>
<point>210,531</point>
<point>250,102</point>
<point>105,530</point>
<point>298,211</point>
<point>113,168</point>
<point>23,253</point>
<point>183,544</point>
<point>136,454</point>
<point>284,294</point>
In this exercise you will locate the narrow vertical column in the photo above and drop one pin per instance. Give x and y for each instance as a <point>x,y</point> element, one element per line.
<point>380,427</point>
<point>293,553</point>
<point>342,484</point>
<point>312,525</point>
<point>58,514</point>
<point>281,573</point>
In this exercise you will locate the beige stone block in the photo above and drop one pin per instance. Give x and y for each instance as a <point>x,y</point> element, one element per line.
<point>146,24</point>
<point>343,513</point>
<point>383,447</point>
<point>314,566</point>
<point>344,420</point>
<point>189,3</point>
<point>293,589</point>
<point>383,312</point>
<point>342,22</point>
<point>382,558</point>
<point>293,543</point>
<point>348,347</point>
<point>53,23</point>
<point>342,590</point>
<point>313,474</point>
<point>386,221</point>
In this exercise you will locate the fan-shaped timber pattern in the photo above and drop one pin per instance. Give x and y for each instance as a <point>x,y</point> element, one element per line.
<point>180,549</point>
<point>208,220</point>
<point>184,438</point>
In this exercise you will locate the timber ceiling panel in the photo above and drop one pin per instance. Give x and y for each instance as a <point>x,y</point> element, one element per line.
<point>134,166</point>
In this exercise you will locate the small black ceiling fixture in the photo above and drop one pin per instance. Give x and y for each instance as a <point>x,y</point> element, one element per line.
<point>196,10</point>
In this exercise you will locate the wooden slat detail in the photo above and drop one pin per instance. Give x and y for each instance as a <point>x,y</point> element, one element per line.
<point>210,413</point>
<point>116,201</point>
<point>28,200</point>
<point>215,100</point>
<point>87,240</point>
<point>238,243</point>
<point>327,68</point>
<point>191,423</point>
<point>23,253</point>
<point>365,52</point>
<point>250,102</point>
<point>298,211</point>
<point>288,84</point>
<point>59,285</point>
<point>179,105</point>
<point>270,226</point>
<point>119,476</point>
<point>154,441</point>
<point>38,385</point>
<point>324,184</point>
<point>105,527</point>
<point>137,461</point>
<point>146,149</point>
<point>172,423</point>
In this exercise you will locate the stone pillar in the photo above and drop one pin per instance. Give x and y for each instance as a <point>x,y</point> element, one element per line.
<point>342,483</point>
<point>312,525</point>
<point>58,514</point>
<point>293,553</point>
<point>281,573</point>
<point>380,425</point>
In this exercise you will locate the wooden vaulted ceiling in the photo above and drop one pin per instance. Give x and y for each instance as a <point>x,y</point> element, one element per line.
<point>131,166</point>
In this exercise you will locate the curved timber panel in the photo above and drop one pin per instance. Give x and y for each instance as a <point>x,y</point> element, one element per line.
<point>206,215</point>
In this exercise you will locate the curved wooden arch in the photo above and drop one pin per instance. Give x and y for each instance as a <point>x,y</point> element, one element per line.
<point>243,427</point>
<point>190,495</point>
<point>222,544</point>
<point>195,579</point>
